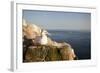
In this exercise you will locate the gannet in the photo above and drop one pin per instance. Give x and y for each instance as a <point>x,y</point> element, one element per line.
<point>43,39</point>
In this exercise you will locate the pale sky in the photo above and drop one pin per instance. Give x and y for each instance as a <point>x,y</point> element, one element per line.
<point>59,20</point>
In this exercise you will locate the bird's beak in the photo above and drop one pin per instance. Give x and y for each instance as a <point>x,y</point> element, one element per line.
<point>48,33</point>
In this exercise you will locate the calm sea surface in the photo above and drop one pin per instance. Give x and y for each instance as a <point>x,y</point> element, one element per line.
<point>79,40</point>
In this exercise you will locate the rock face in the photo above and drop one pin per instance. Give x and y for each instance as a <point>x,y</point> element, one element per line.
<point>48,53</point>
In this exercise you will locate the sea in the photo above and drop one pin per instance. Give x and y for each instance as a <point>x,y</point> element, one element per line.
<point>79,40</point>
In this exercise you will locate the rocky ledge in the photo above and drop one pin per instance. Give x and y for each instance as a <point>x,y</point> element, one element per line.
<point>40,53</point>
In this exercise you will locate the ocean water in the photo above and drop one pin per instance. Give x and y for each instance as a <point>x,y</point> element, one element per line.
<point>79,40</point>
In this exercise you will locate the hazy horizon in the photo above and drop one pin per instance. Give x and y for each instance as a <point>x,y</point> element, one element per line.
<point>51,20</point>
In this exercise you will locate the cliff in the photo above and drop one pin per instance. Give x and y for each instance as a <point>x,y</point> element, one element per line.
<point>34,51</point>
<point>47,53</point>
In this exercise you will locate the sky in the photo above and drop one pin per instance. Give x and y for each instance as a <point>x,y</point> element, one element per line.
<point>52,20</point>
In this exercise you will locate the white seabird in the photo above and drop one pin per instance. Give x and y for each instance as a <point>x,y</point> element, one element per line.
<point>43,39</point>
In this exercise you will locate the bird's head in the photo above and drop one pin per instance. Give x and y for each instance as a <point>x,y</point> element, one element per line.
<point>44,32</point>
